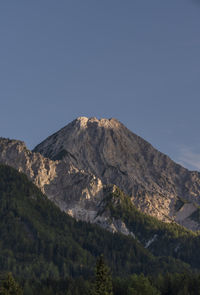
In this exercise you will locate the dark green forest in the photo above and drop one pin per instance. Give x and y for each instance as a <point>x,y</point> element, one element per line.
<point>168,239</point>
<point>48,252</point>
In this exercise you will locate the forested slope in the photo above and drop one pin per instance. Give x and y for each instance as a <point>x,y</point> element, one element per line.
<point>39,242</point>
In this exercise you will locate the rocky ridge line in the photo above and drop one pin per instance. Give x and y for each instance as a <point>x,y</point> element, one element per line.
<point>74,191</point>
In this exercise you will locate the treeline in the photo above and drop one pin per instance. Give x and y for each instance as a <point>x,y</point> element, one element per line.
<point>168,284</point>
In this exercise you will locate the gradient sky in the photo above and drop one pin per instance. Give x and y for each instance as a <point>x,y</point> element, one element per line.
<point>137,61</point>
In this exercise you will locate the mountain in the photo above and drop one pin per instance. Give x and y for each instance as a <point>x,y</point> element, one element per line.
<point>100,172</point>
<point>107,149</point>
<point>78,167</point>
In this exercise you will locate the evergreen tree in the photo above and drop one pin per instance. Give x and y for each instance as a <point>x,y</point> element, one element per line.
<point>9,286</point>
<point>140,285</point>
<point>103,280</point>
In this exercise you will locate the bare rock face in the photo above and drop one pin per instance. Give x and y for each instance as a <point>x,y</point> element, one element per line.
<point>75,191</point>
<point>39,169</point>
<point>74,166</point>
<point>107,149</point>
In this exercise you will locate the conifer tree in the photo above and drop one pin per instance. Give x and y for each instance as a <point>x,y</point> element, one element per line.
<point>8,286</point>
<point>103,280</point>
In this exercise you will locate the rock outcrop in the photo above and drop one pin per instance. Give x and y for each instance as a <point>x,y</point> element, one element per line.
<point>75,191</point>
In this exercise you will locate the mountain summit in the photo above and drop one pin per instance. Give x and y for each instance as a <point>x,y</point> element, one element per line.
<point>82,136</point>
<point>78,166</point>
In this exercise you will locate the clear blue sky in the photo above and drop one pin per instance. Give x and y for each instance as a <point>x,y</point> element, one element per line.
<point>137,61</point>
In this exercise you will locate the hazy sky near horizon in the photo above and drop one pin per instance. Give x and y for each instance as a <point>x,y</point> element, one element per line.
<point>137,61</point>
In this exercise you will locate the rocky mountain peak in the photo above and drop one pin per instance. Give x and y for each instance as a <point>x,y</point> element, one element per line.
<point>107,149</point>
<point>74,165</point>
<point>74,139</point>
<point>85,122</point>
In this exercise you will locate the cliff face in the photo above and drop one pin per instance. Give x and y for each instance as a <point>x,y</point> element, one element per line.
<point>82,161</point>
<point>73,190</point>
